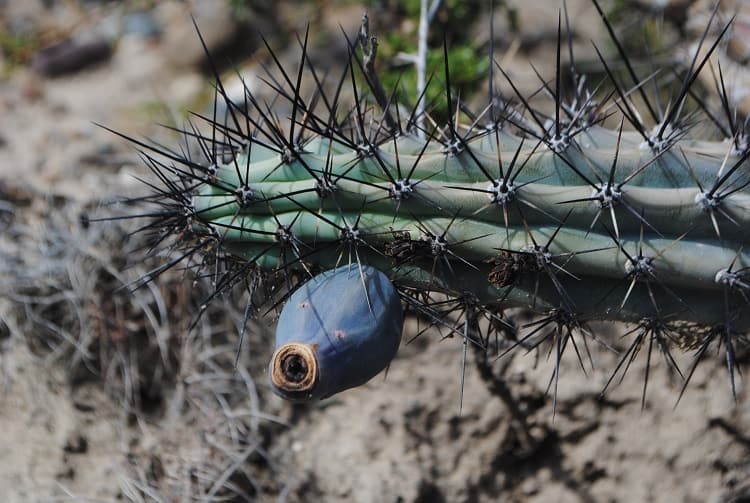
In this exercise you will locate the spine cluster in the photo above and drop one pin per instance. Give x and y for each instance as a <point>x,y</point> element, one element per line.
<point>604,228</point>
<point>588,208</point>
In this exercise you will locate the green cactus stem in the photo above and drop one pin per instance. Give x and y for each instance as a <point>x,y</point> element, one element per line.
<point>593,211</point>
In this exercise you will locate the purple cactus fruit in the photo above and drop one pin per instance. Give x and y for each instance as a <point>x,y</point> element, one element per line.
<point>337,331</point>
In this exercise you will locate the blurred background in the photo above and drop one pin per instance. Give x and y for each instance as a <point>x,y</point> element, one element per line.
<point>108,394</point>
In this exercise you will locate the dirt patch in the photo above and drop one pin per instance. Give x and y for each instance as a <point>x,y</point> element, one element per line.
<point>110,396</point>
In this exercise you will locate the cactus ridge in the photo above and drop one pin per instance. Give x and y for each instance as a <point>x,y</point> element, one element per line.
<point>595,211</point>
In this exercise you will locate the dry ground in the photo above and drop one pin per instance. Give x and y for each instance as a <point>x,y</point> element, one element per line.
<point>108,396</point>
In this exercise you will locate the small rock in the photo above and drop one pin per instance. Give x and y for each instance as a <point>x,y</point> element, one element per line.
<point>70,55</point>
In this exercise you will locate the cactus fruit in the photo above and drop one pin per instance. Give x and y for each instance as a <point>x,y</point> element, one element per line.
<point>593,211</point>
<point>337,331</point>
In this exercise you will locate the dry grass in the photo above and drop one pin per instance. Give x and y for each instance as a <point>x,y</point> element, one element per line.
<point>68,294</point>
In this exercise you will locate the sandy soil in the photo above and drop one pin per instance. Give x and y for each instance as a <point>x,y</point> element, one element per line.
<point>138,408</point>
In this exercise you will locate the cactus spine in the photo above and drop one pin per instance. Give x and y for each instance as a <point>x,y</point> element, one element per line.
<point>575,214</point>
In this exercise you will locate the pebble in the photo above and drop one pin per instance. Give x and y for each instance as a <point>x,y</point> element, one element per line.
<point>70,55</point>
